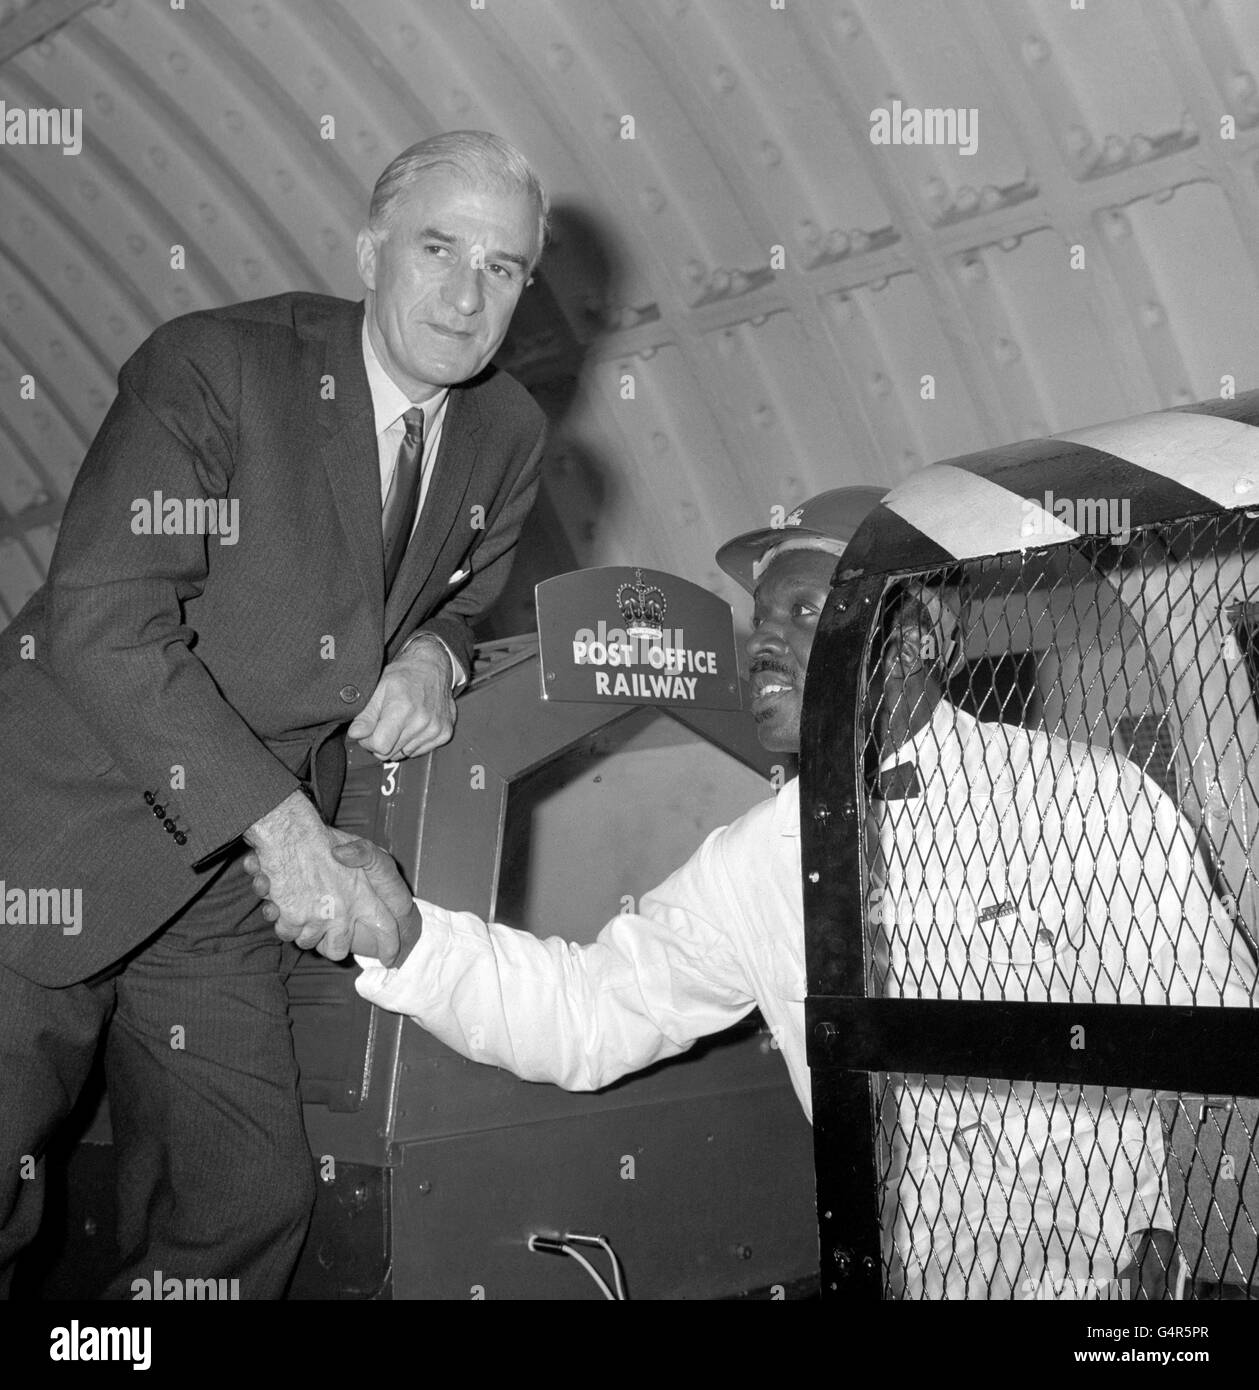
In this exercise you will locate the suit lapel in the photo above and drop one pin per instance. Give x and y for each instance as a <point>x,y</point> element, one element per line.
<point>452,478</point>
<point>347,451</point>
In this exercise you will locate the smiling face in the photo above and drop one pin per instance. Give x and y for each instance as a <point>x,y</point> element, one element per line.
<point>789,600</point>
<point>907,673</point>
<point>443,278</point>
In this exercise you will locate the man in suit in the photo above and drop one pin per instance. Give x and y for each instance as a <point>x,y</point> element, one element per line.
<point>288,519</point>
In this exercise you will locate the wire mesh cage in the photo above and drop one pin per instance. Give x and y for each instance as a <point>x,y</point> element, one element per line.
<point>1045,763</point>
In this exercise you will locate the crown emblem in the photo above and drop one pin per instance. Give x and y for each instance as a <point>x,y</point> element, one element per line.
<point>642,607</point>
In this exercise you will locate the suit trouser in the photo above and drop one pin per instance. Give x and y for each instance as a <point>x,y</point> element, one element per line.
<point>215,1178</point>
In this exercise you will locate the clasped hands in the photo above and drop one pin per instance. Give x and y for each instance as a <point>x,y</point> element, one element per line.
<point>326,888</point>
<point>330,890</point>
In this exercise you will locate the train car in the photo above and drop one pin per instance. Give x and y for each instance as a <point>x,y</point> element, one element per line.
<point>436,1171</point>
<point>1029,804</point>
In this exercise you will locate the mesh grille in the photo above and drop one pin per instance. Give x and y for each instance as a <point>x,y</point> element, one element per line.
<point>1061,806</point>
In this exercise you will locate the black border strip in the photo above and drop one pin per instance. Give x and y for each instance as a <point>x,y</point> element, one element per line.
<point>1164,1048</point>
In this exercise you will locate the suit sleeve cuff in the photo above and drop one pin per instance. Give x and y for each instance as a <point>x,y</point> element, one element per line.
<point>460,676</point>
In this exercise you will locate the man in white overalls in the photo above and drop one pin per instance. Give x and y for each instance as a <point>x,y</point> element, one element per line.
<point>1012,865</point>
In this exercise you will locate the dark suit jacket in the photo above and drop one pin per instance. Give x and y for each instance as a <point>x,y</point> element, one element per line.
<point>160,693</point>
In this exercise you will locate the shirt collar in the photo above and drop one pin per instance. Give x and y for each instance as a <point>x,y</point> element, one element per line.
<point>948,727</point>
<point>389,402</point>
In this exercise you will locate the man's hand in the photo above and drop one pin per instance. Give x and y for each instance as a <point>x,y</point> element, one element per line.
<point>382,873</point>
<point>315,899</point>
<point>412,709</point>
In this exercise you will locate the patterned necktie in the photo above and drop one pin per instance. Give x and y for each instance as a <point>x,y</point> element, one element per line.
<point>398,517</point>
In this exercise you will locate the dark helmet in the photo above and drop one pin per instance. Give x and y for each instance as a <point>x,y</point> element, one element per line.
<point>831,518</point>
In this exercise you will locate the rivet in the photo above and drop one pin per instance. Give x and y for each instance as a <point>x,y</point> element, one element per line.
<point>838,242</point>
<point>1006,351</point>
<point>1241,87</point>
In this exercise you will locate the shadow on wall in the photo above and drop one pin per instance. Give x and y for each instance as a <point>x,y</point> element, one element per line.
<point>547,350</point>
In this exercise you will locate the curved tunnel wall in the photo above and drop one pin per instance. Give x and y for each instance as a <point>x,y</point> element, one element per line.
<point>777,288</point>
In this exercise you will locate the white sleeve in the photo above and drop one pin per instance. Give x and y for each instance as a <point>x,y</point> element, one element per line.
<point>1211,962</point>
<point>578,1016</point>
<point>1179,944</point>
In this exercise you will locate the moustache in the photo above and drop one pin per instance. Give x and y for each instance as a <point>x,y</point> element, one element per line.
<point>779,668</point>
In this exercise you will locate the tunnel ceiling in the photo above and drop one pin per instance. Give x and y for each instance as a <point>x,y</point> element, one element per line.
<point>747,300</point>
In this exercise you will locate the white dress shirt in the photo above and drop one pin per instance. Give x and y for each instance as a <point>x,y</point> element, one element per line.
<point>1034,868</point>
<point>721,935</point>
<point>389,405</point>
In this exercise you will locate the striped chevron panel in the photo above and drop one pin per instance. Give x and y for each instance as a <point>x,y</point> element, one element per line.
<point>1105,479</point>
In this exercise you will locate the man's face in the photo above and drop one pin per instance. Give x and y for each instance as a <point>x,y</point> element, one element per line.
<point>789,601</point>
<point>905,672</point>
<point>444,279</point>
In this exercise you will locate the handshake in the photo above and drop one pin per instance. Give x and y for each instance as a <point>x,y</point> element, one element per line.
<point>327,889</point>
